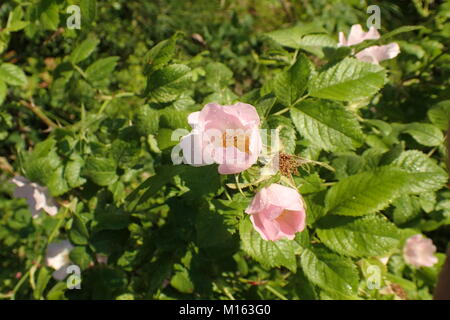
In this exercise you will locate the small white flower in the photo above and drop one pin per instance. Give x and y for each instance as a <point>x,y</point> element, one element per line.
<point>38,197</point>
<point>373,54</point>
<point>419,251</point>
<point>57,257</point>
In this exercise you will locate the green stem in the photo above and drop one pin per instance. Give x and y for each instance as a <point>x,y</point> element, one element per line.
<point>275,292</point>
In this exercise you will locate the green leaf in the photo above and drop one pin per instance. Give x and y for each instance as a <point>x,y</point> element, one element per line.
<point>167,84</point>
<point>291,84</point>
<point>42,280</point>
<point>78,233</point>
<point>439,114</point>
<point>146,120</point>
<point>400,30</point>
<point>12,74</point>
<point>286,132</point>
<point>269,253</point>
<point>327,124</point>
<point>160,54</point>
<point>366,192</point>
<point>329,271</point>
<point>57,291</point>
<point>102,171</point>
<point>426,174</point>
<point>80,257</point>
<point>424,133</point>
<point>101,70</point>
<point>181,280</point>
<point>49,14</point>
<point>317,44</point>
<point>88,11</point>
<point>3,91</point>
<point>84,50</point>
<point>365,236</point>
<point>291,37</point>
<point>348,80</point>
<point>15,22</point>
<point>218,75</point>
<point>72,172</point>
<point>406,209</point>
<point>174,119</point>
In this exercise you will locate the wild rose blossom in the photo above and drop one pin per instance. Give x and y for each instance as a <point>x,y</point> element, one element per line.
<point>419,251</point>
<point>226,135</point>
<point>373,54</point>
<point>38,197</point>
<point>277,212</point>
<point>57,257</point>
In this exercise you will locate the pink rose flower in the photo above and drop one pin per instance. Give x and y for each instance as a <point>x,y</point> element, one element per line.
<point>226,135</point>
<point>37,196</point>
<point>277,212</point>
<point>373,54</point>
<point>419,251</point>
<point>357,35</point>
<point>57,257</point>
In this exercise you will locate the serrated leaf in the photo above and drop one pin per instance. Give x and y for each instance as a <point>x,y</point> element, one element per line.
<point>49,14</point>
<point>406,208</point>
<point>12,74</point>
<point>291,37</point>
<point>327,124</point>
<point>167,84</point>
<point>102,171</point>
<point>439,114</point>
<point>101,69</point>
<point>88,11</point>
<point>83,50</point>
<point>348,80</point>
<point>160,54</point>
<point>329,271</point>
<point>424,133</point>
<point>367,192</point>
<point>72,172</point>
<point>218,75</point>
<point>426,174</point>
<point>291,84</point>
<point>146,120</point>
<point>317,43</point>
<point>366,236</point>
<point>269,253</point>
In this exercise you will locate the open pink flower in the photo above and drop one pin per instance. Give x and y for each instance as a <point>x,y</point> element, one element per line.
<point>37,196</point>
<point>373,54</point>
<point>227,135</point>
<point>357,35</point>
<point>419,251</point>
<point>277,212</point>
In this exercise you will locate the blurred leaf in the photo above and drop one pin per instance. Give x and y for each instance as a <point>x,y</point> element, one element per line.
<point>12,74</point>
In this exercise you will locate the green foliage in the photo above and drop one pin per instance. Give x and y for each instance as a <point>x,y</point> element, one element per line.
<point>93,115</point>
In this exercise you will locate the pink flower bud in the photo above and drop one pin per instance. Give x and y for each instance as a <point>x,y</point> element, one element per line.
<point>277,212</point>
<point>419,251</point>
